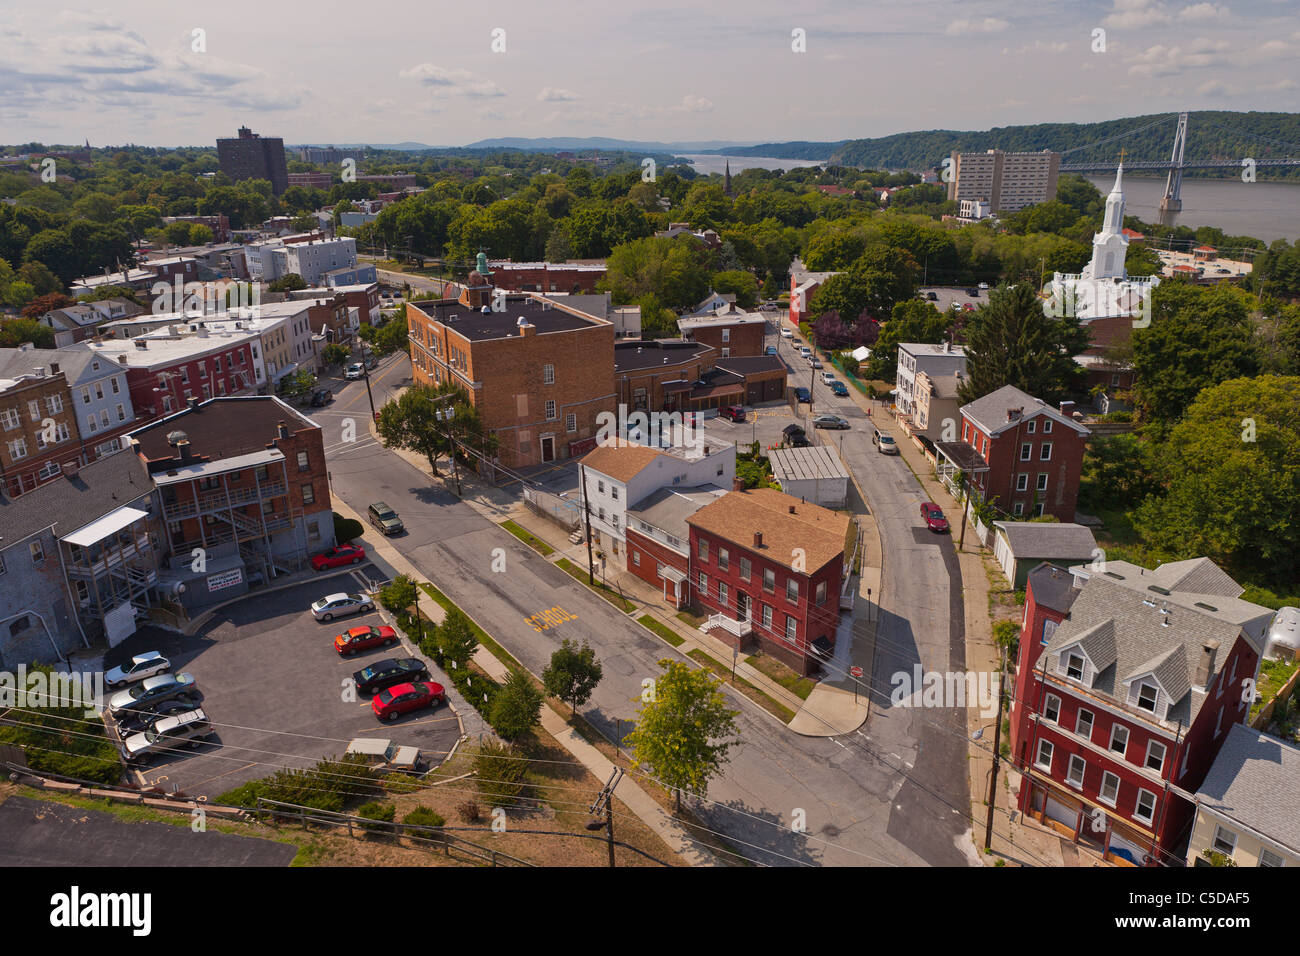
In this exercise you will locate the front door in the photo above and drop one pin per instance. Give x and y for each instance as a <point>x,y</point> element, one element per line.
<point>548,449</point>
<point>742,606</point>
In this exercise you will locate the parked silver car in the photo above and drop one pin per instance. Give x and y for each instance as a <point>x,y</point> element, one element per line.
<point>151,691</point>
<point>168,735</point>
<point>137,668</point>
<point>341,605</point>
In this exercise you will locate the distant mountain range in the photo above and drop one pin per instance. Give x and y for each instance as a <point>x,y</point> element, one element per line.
<point>553,144</point>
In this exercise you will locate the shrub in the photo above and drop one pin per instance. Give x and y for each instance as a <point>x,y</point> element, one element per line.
<point>850,365</point>
<point>380,813</point>
<point>59,740</point>
<point>456,638</point>
<point>346,529</point>
<point>517,706</point>
<point>470,811</point>
<point>499,774</point>
<point>424,817</point>
<point>399,594</point>
<point>325,786</point>
<point>243,796</point>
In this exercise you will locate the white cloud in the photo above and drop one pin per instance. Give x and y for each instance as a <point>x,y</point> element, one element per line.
<point>1161,60</point>
<point>1203,11</point>
<point>1130,14</point>
<point>445,81</point>
<point>696,104</point>
<point>555,94</point>
<point>1217,88</point>
<point>984,25</point>
<point>1043,46</point>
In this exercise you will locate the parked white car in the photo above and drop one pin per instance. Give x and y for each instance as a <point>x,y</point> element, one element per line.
<point>382,754</point>
<point>137,668</point>
<point>787,333</point>
<point>828,378</point>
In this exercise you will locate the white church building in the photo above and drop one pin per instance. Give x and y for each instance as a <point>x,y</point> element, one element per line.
<point>1104,289</point>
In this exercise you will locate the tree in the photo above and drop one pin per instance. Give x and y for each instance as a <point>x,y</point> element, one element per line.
<point>287,283</point>
<point>910,321</point>
<point>573,673</point>
<point>392,336</point>
<point>1198,337</point>
<point>456,638</point>
<point>17,331</point>
<point>1013,341</point>
<point>1231,467</point>
<point>299,383</point>
<point>40,277</point>
<point>879,279</point>
<point>672,271</point>
<point>335,353</point>
<point>399,594</point>
<point>738,282</point>
<point>1118,470</point>
<point>517,706</point>
<point>685,731</point>
<point>411,422</point>
<point>830,332</point>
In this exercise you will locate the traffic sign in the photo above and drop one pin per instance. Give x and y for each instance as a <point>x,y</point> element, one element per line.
<point>855,671</point>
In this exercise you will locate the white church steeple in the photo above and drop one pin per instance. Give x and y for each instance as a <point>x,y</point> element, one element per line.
<point>1109,246</point>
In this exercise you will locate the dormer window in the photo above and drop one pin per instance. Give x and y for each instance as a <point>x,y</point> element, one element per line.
<point>1146,697</point>
<point>1074,667</point>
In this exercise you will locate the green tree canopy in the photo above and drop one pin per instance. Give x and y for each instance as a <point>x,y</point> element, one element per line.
<point>573,673</point>
<point>516,707</point>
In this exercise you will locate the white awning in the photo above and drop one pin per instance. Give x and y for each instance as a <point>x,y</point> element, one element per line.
<point>110,524</point>
<point>672,574</point>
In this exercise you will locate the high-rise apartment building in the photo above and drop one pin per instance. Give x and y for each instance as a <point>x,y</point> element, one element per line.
<point>1006,181</point>
<point>251,156</point>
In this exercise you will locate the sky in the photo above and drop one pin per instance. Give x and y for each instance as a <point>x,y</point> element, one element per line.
<point>389,71</point>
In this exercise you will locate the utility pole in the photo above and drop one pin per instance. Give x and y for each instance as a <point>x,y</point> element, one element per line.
<point>445,416</point>
<point>997,754</point>
<point>365,369</point>
<point>965,503</point>
<point>605,801</point>
<point>586,513</point>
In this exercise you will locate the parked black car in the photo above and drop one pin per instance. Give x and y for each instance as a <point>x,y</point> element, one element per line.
<point>802,394</point>
<point>138,721</point>
<point>383,674</point>
<point>321,397</point>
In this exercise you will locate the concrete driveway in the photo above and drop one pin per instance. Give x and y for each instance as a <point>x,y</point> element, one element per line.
<point>277,691</point>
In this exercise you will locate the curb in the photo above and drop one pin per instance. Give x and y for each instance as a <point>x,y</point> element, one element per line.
<point>190,629</point>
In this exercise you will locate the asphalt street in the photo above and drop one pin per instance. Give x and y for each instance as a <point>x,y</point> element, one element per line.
<point>893,799</point>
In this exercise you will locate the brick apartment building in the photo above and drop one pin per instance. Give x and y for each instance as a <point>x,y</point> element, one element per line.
<point>539,373</point>
<point>1127,682</point>
<point>766,566</point>
<point>245,480</point>
<point>38,429</point>
<point>311,180</point>
<point>573,277</point>
<point>251,156</point>
<point>738,334</point>
<point>1018,453</point>
<point>675,376</point>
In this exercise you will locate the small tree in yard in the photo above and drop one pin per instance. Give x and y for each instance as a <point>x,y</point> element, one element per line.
<point>499,774</point>
<point>399,594</point>
<point>683,733</point>
<point>456,639</point>
<point>335,353</point>
<point>517,706</point>
<point>573,673</point>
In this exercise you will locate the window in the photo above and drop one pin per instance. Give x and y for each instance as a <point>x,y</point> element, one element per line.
<point>1042,481</point>
<point>1074,667</point>
<point>821,592</point>
<point>1019,508</point>
<point>185,374</point>
<point>17,449</point>
<point>304,464</point>
<point>1045,453</point>
<point>722,593</point>
<point>1269,858</point>
<point>1083,724</point>
<point>1026,451</point>
<point>600,487</point>
<point>216,364</point>
<point>550,411</point>
<point>1029,427</point>
<point>571,423</point>
<point>38,552</point>
<point>792,590</point>
<point>2,564</point>
<point>1155,755</point>
<point>1043,759</point>
<point>724,559</point>
<point>745,568</point>
<point>1109,792</point>
<point>726,335</point>
<point>116,388</point>
<point>1047,426</point>
<point>1114,380</point>
<point>767,617</point>
<point>1225,841</point>
<point>48,470</point>
<point>1022,482</point>
<point>769,580</point>
<point>702,550</point>
<point>54,403</point>
<point>308,494</point>
<point>104,419</point>
<point>704,585</point>
<point>613,492</point>
<point>1052,707</point>
<point>548,374</point>
<point>1074,776</point>
<point>636,558</point>
<point>726,352</point>
<point>259,473</point>
<point>85,394</point>
<point>1146,697</point>
<point>1118,739</point>
<point>791,628</point>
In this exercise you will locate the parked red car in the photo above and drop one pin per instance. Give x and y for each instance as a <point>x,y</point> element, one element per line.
<point>933,517</point>
<point>403,698</point>
<point>339,556</point>
<point>363,637</point>
<point>735,413</point>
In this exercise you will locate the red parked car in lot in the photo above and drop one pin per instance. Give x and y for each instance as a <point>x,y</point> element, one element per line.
<point>403,698</point>
<point>339,556</point>
<point>933,517</point>
<point>363,637</point>
<point>734,413</point>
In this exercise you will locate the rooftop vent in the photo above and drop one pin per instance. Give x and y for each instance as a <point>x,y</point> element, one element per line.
<point>176,437</point>
<point>1158,589</point>
<point>1208,607</point>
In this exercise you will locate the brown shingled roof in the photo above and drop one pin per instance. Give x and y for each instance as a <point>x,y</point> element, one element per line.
<point>737,515</point>
<point>620,461</point>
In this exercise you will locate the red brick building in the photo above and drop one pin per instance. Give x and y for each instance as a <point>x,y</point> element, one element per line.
<point>767,567</point>
<point>164,374</point>
<point>1019,453</point>
<point>729,333</point>
<point>38,430</point>
<point>1126,683</point>
<point>570,277</point>
<point>538,372</point>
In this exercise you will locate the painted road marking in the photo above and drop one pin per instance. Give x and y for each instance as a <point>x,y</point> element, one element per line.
<point>551,617</point>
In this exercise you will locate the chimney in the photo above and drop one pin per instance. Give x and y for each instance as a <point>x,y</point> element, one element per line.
<point>737,484</point>
<point>792,511</point>
<point>193,403</point>
<point>183,450</point>
<point>70,468</point>
<point>282,429</point>
<point>1067,409</point>
<point>758,540</point>
<point>1205,666</point>
<point>1013,413</point>
<point>947,346</point>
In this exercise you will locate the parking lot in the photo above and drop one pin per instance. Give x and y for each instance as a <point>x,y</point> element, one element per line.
<point>277,692</point>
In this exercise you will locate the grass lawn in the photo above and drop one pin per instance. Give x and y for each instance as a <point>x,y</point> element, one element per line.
<point>1272,675</point>
<point>686,617</point>
<point>781,712</point>
<point>604,590</point>
<point>528,538</point>
<point>497,651</point>
<point>770,667</point>
<point>663,630</point>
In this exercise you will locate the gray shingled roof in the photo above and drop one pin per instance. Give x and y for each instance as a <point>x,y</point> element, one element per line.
<point>1045,539</point>
<point>1200,575</point>
<point>990,412</point>
<point>668,508</point>
<point>75,363</point>
<point>71,503</point>
<point>1053,587</point>
<point>1255,780</point>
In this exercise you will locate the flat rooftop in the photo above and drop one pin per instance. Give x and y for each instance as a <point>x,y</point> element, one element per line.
<point>801,464</point>
<point>222,428</point>
<point>637,356</point>
<point>477,326</point>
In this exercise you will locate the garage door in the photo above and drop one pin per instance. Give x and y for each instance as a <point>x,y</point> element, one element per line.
<point>1126,849</point>
<point>1062,813</point>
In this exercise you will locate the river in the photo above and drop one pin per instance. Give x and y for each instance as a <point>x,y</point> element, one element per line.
<point>1264,210</point>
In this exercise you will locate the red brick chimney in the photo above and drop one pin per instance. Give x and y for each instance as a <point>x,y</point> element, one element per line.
<point>758,539</point>
<point>737,484</point>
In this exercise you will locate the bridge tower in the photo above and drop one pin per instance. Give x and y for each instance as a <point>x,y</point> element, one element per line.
<point>1172,201</point>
